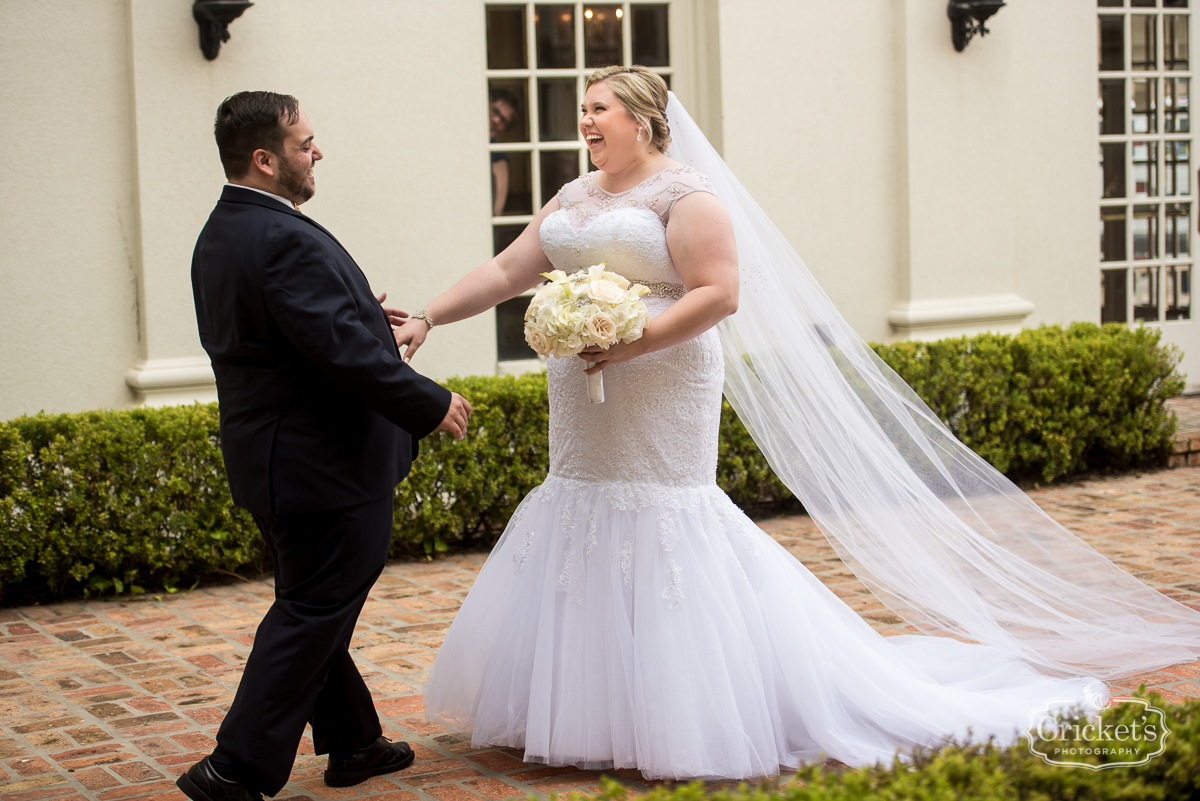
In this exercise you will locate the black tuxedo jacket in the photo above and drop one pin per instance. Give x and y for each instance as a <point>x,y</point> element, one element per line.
<point>318,410</point>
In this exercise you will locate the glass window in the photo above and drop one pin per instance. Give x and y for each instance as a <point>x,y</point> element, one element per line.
<point>506,37</point>
<point>1112,43</point>
<point>559,167</point>
<point>1145,232</point>
<point>510,331</point>
<point>1143,42</point>
<point>1111,3</point>
<point>1145,169</point>
<point>1112,106</point>
<point>648,34</point>
<point>507,101</point>
<point>602,36</point>
<point>503,236</point>
<point>555,36</point>
<point>1178,227</point>
<point>1112,296</point>
<point>1175,3</point>
<point>1176,105</point>
<point>1145,294</point>
<point>518,199</point>
<point>1143,3</point>
<point>1177,169</point>
<point>1179,292</point>
<point>1145,106</point>
<point>1112,169</point>
<point>1175,46</point>
<point>1112,233</point>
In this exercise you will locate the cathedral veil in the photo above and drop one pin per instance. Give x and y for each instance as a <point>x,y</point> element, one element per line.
<point>935,532</point>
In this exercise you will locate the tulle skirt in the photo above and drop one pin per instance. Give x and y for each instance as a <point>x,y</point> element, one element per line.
<point>657,628</point>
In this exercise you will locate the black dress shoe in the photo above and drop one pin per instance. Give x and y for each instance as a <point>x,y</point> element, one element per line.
<point>381,756</point>
<point>201,783</point>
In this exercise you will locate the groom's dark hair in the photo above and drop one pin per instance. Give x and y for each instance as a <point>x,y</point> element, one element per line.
<point>249,121</point>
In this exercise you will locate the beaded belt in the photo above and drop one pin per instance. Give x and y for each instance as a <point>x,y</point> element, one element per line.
<point>662,289</point>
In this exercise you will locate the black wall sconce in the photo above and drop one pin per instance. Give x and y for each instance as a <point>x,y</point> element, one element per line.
<point>967,18</point>
<point>213,17</point>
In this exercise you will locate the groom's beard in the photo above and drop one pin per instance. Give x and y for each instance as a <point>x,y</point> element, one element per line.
<point>294,182</point>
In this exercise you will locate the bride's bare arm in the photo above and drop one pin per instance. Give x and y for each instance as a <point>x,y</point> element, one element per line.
<point>517,268</point>
<point>700,239</point>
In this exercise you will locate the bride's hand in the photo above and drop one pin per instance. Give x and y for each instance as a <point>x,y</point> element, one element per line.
<point>412,334</point>
<point>620,352</point>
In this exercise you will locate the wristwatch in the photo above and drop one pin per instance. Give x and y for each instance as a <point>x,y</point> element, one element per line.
<point>421,315</point>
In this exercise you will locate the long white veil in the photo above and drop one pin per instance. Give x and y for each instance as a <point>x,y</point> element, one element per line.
<point>935,532</point>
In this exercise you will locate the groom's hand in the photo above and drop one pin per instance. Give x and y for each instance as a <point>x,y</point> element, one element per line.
<point>457,415</point>
<point>395,317</point>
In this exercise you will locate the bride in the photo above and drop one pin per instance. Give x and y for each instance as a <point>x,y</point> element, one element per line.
<point>632,617</point>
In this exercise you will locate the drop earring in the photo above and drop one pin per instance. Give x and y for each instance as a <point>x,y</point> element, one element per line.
<point>639,134</point>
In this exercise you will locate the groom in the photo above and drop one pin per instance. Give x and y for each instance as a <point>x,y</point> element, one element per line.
<point>320,419</point>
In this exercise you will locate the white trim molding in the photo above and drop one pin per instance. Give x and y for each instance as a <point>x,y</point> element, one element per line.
<point>169,382</point>
<point>936,319</point>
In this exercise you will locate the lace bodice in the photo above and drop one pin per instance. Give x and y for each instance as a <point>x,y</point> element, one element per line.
<point>661,416</point>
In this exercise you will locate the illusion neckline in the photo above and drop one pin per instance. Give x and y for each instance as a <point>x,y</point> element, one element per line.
<point>592,176</point>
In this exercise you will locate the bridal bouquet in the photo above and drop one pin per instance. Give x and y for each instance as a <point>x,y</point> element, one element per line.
<point>592,307</point>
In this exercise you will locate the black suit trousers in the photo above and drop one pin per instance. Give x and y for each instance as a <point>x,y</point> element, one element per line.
<point>300,670</point>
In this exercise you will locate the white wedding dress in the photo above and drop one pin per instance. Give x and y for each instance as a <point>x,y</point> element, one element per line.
<point>632,617</point>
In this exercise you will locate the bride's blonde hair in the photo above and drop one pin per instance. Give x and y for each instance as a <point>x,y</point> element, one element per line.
<point>643,93</point>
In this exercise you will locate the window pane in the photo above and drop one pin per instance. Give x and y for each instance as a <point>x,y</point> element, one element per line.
<point>1112,234</point>
<point>1175,49</point>
<point>555,27</point>
<point>1178,228</point>
<point>506,37</point>
<point>1145,232</point>
<point>503,236</point>
<point>648,35</point>
<point>510,331</point>
<point>1112,296</point>
<point>1112,169</point>
<point>1175,3</point>
<point>1112,43</point>
<point>1179,292</point>
<point>558,110</point>
<point>514,170</point>
<point>1145,106</point>
<point>1112,106</point>
<point>1145,169</point>
<point>1176,105</point>
<point>1178,173</point>
<point>1143,44</point>
<point>602,36</point>
<point>1145,294</point>
<point>507,101</point>
<point>559,167</point>
<point>1111,3</point>
<point>1143,3</point>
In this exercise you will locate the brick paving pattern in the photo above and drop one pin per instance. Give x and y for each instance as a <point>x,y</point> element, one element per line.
<point>1187,436</point>
<point>111,700</point>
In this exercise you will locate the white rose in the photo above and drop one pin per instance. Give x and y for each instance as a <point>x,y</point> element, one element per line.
<point>604,291</point>
<point>602,329</point>
<point>619,280</point>
<point>537,340</point>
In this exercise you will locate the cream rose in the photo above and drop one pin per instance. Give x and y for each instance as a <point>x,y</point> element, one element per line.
<point>603,291</point>
<point>619,280</point>
<point>602,329</point>
<point>537,340</point>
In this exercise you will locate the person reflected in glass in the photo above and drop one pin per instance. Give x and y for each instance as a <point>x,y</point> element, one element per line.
<point>503,111</point>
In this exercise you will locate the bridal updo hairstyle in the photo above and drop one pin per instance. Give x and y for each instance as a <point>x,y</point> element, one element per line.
<point>250,121</point>
<point>643,93</point>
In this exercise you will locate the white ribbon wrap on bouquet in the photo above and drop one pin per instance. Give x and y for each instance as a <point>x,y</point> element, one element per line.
<point>935,532</point>
<point>596,387</point>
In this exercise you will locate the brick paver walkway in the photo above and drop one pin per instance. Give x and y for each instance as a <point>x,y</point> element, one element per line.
<point>111,700</point>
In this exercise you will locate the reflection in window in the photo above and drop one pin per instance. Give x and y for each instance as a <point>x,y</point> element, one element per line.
<point>1112,106</point>
<point>510,331</point>
<point>1145,106</point>
<point>1176,106</point>
<point>1178,227</point>
<point>1145,294</point>
<point>559,111</point>
<point>1112,296</point>
<point>1145,168</point>
<point>555,27</point>
<point>1178,173</point>
<point>1112,43</point>
<point>1143,43</point>
<point>1175,44</point>
<point>602,36</point>
<point>648,35</point>
<point>1145,232</point>
<point>1112,233</point>
<point>506,37</point>
<point>1179,292</point>
<point>1112,169</point>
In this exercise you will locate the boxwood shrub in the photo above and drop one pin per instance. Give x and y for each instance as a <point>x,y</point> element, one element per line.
<point>105,500</point>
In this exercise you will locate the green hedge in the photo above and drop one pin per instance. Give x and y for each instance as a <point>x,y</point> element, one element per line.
<point>981,772</point>
<point>136,498</point>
